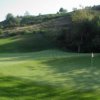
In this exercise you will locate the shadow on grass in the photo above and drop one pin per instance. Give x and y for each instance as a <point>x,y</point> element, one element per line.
<point>26,43</point>
<point>30,90</point>
<point>67,64</point>
<point>86,78</point>
<point>86,81</point>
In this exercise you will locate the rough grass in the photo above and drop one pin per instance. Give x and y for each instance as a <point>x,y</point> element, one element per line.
<point>49,75</point>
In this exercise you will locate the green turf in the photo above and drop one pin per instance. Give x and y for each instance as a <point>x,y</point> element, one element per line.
<point>25,43</point>
<point>49,75</point>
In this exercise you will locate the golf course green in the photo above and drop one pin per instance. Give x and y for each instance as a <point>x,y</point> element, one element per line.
<point>49,75</point>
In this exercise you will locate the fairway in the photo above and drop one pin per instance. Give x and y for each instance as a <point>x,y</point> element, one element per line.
<point>49,75</point>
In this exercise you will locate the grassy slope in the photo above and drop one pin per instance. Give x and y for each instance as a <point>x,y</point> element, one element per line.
<point>49,75</point>
<point>32,41</point>
<point>25,43</point>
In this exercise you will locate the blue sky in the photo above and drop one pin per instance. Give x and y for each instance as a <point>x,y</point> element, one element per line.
<point>34,7</point>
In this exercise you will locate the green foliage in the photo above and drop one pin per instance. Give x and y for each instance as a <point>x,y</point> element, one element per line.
<point>85,29</point>
<point>9,16</point>
<point>83,32</point>
<point>31,20</point>
<point>27,19</point>
<point>62,10</point>
<point>77,31</point>
<point>96,27</point>
<point>11,21</point>
<point>97,7</point>
<point>1,31</point>
<point>80,15</point>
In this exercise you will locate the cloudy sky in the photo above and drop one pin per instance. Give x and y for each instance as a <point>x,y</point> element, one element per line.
<point>34,7</point>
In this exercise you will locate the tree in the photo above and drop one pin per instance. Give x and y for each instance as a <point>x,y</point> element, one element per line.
<point>82,27</point>
<point>9,16</point>
<point>62,10</point>
<point>96,27</point>
<point>1,31</point>
<point>11,21</point>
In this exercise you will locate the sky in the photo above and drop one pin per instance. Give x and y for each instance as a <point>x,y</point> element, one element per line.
<point>34,7</point>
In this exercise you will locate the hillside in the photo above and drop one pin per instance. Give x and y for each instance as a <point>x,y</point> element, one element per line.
<point>76,31</point>
<point>56,23</point>
<point>33,37</point>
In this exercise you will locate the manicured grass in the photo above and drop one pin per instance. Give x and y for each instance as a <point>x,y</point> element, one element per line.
<point>49,75</point>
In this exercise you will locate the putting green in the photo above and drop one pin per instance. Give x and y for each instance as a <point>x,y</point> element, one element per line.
<point>49,75</point>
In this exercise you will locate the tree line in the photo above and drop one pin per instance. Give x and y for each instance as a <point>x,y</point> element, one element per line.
<point>28,19</point>
<point>84,32</point>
